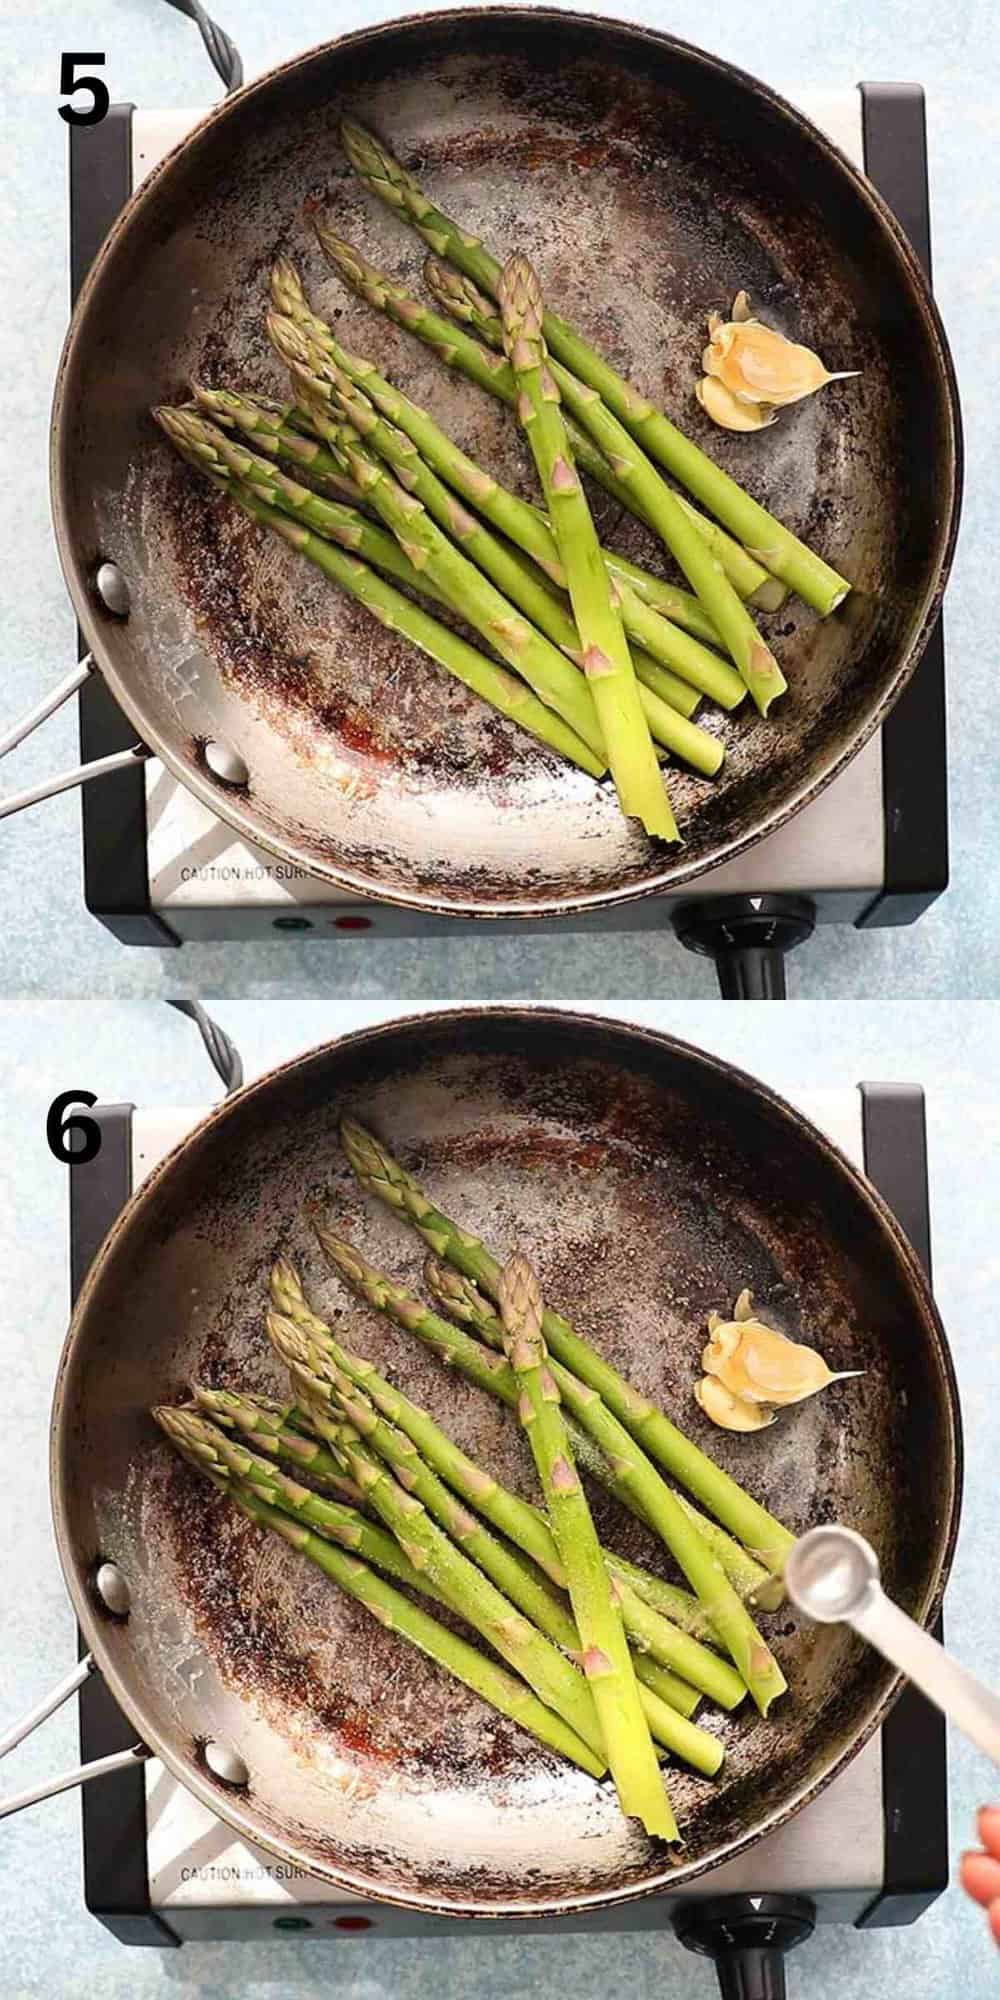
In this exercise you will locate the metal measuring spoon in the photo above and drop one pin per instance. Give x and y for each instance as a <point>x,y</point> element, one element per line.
<point>832,1575</point>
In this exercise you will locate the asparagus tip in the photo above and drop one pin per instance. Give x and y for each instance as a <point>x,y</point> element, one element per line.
<point>285,1278</point>
<point>289,1340</point>
<point>188,431</point>
<point>186,1428</point>
<point>360,145</point>
<point>520,1300</point>
<point>285,278</point>
<point>340,1251</point>
<point>336,247</point>
<point>289,339</point>
<point>519,295</point>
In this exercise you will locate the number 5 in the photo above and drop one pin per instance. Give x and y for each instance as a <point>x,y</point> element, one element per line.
<point>70,83</point>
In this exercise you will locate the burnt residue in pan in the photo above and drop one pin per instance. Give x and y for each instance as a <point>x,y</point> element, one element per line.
<point>240,1580</point>
<point>386,720</point>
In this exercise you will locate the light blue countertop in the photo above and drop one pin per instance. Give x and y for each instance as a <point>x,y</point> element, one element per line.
<point>48,1945</point>
<point>48,943</point>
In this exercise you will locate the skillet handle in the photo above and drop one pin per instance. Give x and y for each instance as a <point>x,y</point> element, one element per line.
<point>749,1938</point>
<point>16,1801</point>
<point>222,50</point>
<point>82,1774</point>
<point>748,937</point>
<point>32,1720</point>
<point>82,774</point>
<point>27,724</point>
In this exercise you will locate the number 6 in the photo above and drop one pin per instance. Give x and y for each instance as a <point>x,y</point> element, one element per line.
<point>75,1139</point>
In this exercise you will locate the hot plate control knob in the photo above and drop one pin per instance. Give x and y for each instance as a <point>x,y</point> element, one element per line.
<point>749,1937</point>
<point>749,938</point>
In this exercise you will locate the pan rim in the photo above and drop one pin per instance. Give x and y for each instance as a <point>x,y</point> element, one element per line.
<point>657,1043</point>
<point>464,906</point>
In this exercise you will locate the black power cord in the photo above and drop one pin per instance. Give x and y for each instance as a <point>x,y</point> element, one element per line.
<point>223,1053</point>
<point>223,53</point>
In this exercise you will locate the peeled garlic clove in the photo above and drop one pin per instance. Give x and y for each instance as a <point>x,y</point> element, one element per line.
<point>741,308</point>
<point>727,1410</point>
<point>763,1367</point>
<point>743,1309</point>
<point>758,365</point>
<point>724,409</point>
<point>725,1339</point>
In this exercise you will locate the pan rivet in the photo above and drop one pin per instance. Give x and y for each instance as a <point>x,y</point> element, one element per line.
<point>226,1763</point>
<point>226,763</point>
<point>112,1589</point>
<point>113,590</point>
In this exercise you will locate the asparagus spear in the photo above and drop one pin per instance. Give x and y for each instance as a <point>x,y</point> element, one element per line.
<point>261,1419</point>
<point>342,525</point>
<point>662,1689</point>
<point>779,550</point>
<point>547,670</point>
<point>268,424</point>
<point>513,1516</point>
<point>677,1605</point>
<point>465,302</point>
<point>677,606</point>
<point>462,351</point>
<point>490,681</point>
<point>318,1367</point>
<point>489,1371</point>
<point>324,381</point>
<point>520,295</point>
<point>348,414</point>
<point>707,673</point>
<point>607,662</point>
<point>606,1661</point>
<point>351,1531</point>
<point>503,1691</point>
<point>465,1303</point>
<point>651,608</point>
<point>382,1175</point>
<point>438,449</point>
<point>653,634</point>
<point>465,1587</point>
<point>211,1446</point>
<point>753,658</point>
<point>668,1702</point>
<point>639,484</point>
<point>328,1387</point>
<point>710,677</point>
<point>638,1479</point>
<point>452,344</point>
<point>267,1423</point>
<point>225,460</point>
<point>521,1522</point>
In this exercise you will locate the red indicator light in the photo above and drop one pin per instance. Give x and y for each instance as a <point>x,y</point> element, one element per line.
<point>352,923</point>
